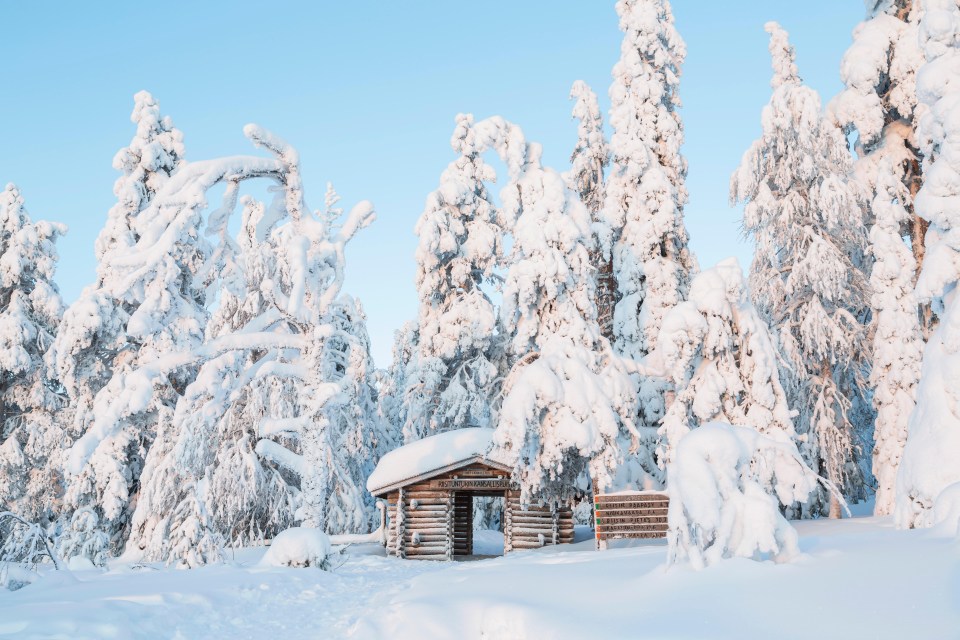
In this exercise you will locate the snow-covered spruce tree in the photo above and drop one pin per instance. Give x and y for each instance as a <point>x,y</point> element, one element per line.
<point>722,360</point>
<point>121,319</point>
<point>931,457</point>
<point>283,342</point>
<point>806,219</point>
<point>362,437</point>
<point>393,386</point>
<point>568,401</point>
<point>897,340</point>
<point>645,195</point>
<point>458,363</point>
<point>588,161</point>
<point>879,104</point>
<point>32,438</point>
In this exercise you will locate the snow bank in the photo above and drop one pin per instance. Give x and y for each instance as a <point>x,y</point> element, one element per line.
<point>431,453</point>
<point>932,452</point>
<point>565,592</point>
<point>718,506</point>
<point>946,511</point>
<point>298,547</point>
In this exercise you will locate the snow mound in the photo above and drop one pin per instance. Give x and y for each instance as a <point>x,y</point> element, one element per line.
<point>433,453</point>
<point>718,506</point>
<point>299,547</point>
<point>80,563</point>
<point>946,511</point>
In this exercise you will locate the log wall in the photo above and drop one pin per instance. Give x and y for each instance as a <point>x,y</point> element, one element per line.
<point>433,519</point>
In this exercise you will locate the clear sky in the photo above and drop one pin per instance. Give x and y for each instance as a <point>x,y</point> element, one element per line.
<point>368,91</point>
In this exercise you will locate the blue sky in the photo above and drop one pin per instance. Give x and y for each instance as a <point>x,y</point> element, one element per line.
<point>368,91</point>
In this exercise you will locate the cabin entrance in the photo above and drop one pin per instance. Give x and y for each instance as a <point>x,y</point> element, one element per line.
<point>478,523</point>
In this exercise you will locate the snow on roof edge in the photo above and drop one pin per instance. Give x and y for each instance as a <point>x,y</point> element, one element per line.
<point>434,453</point>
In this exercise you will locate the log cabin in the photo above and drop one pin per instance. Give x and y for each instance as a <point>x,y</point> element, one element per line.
<point>430,485</point>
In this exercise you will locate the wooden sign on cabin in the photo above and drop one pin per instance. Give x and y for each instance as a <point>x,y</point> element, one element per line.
<point>630,514</point>
<point>430,485</point>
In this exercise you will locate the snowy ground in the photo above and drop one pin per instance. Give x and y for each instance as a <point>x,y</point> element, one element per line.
<point>858,578</point>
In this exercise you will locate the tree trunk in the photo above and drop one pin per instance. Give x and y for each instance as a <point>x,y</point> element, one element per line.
<point>835,512</point>
<point>606,294</point>
<point>918,232</point>
<point>826,373</point>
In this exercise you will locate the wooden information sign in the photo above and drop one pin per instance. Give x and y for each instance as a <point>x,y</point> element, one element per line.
<point>630,514</point>
<point>477,484</point>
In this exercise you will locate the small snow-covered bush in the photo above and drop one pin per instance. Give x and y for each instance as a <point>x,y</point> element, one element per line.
<point>718,506</point>
<point>299,547</point>
<point>25,542</point>
<point>23,545</point>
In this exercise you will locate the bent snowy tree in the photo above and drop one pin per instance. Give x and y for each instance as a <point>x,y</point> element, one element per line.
<point>275,331</point>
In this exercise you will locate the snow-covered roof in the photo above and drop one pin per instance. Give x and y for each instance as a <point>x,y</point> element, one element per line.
<point>432,456</point>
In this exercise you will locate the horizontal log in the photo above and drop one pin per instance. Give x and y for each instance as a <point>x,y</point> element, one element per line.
<point>648,535</point>
<point>431,547</point>
<point>642,511</point>
<point>639,513</point>
<point>426,522</point>
<point>534,519</point>
<point>427,493</point>
<point>631,505</point>
<point>530,531</point>
<point>428,539</point>
<point>630,532</point>
<point>606,521</point>
<point>547,539</point>
<point>429,528</point>
<point>426,508</point>
<point>439,544</point>
<point>427,556</point>
<point>618,497</point>
<point>634,526</point>
<point>517,506</point>
<point>530,544</point>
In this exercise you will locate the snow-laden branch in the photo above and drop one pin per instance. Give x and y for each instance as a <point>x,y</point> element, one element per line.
<point>281,456</point>
<point>131,392</point>
<point>281,426</point>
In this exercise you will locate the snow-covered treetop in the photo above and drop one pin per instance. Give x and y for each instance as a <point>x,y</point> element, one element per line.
<point>879,71</point>
<point>645,90</point>
<point>590,155</point>
<point>548,290</point>
<point>645,191</point>
<point>782,56</point>
<point>151,157</point>
<point>460,232</point>
<point>29,256</point>
<point>31,305</point>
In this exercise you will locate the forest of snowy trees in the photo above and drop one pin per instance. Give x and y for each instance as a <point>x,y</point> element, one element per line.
<point>213,386</point>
